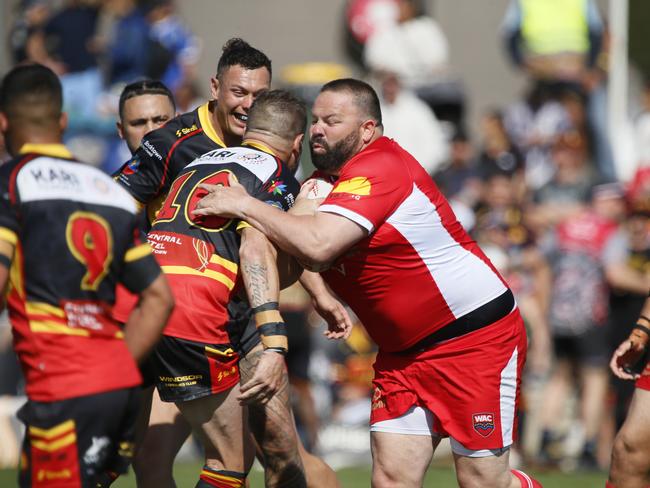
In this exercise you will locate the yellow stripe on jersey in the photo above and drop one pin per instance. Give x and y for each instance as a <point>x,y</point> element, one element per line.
<point>137,252</point>
<point>54,150</point>
<point>50,327</point>
<point>355,186</point>
<point>243,225</point>
<point>228,353</point>
<point>42,308</point>
<point>16,278</point>
<point>206,124</point>
<point>208,273</point>
<point>52,446</point>
<point>8,235</point>
<point>52,432</point>
<point>229,265</point>
<point>228,480</point>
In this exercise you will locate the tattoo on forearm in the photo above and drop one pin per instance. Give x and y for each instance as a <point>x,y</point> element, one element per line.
<point>257,283</point>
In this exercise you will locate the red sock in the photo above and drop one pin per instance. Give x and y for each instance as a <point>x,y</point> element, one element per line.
<point>525,480</point>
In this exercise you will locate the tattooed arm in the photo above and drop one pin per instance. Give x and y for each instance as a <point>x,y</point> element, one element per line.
<point>260,273</point>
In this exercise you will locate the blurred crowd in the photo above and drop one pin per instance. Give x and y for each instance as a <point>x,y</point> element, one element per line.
<point>536,185</point>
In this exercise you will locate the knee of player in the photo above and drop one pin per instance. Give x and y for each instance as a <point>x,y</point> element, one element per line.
<point>626,447</point>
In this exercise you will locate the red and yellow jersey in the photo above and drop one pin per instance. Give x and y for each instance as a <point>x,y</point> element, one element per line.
<point>68,234</point>
<point>200,256</point>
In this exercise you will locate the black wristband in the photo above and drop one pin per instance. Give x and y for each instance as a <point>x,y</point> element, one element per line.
<point>273,328</point>
<point>266,306</point>
<point>642,328</point>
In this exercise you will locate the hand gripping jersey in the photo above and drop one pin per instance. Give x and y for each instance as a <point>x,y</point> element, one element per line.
<point>417,270</point>
<point>75,237</point>
<point>200,255</point>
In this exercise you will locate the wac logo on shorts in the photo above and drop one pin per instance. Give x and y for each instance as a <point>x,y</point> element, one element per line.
<point>483,423</point>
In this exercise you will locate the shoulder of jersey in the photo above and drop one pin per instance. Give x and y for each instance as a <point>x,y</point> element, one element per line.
<point>261,164</point>
<point>48,178</point>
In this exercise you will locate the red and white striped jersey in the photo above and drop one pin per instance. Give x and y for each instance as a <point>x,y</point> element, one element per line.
<point>417,270</point>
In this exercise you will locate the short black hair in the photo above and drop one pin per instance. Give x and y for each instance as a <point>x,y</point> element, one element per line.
<point>365,97</point>
<point>32,92</point>
<point>237,52</point>
<point>278,112</point>
<point>144,87</point>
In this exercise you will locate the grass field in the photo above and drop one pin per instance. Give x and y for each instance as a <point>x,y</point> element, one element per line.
<point>439,477</point>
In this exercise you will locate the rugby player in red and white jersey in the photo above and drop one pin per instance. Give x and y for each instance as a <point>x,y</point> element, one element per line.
<point>631,453</point>
<point>451,340</point>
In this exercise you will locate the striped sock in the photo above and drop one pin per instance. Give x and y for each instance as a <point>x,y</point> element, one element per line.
<point>211,478</point>
<point>525,480</point>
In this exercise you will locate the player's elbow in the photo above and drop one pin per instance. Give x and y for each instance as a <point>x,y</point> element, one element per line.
<point>318,254</point>
<point>255,247</point>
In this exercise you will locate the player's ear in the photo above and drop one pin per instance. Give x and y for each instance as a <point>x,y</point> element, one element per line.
<point>368,130</point>
<point>120,130</point>
<point>63,121</point>
<point>214,88</point>
<point>4,122</point>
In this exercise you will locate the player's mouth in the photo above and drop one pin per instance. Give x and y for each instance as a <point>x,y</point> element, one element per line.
<point>242,118</point>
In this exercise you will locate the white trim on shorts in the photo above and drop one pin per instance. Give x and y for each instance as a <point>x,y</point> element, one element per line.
<point>420,421</point>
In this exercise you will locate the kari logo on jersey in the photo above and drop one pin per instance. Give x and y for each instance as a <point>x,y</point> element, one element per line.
<point>132,166</point>
<point>277,187</point>
<point>483,423</point>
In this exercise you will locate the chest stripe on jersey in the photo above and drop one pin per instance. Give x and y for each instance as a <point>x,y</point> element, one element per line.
<point>171,152</point>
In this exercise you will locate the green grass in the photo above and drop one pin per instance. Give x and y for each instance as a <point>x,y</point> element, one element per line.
<point>438,477</point>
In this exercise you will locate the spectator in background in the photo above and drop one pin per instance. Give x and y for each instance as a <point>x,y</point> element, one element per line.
<point>414,47</point>
<point>178,48</point>
<point>126,52</point>
<point>586,256</point>
<point>553,49</point>
<point>568,192</point>
<point>410,122</point>
<point>26,36</point>
<point>460,178</point>
<point>500,155</point>
<point>533,125</point>
<point>70,36</point>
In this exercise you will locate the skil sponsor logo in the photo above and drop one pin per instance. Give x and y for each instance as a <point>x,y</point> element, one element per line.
<point>483,423</point>
<point>277,187</point>
<point>150,150</point>
<point>54,177</point>
<point>186,130</point>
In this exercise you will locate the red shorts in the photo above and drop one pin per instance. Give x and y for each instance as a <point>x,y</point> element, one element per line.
<point>643,382</point>
<point>471,384</point>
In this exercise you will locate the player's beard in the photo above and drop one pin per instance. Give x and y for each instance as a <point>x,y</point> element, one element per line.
<point>334,157</point>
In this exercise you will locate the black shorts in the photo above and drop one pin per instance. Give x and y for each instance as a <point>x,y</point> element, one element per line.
<point>300,347</point>
<point>588,349</point>
<point>187,370</point>
<point>75,442</point>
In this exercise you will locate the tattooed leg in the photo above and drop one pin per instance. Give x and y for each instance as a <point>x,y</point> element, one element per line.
<point>274,431</point>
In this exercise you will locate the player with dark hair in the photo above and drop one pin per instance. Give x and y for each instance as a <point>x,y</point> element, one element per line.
<point>68,235</point>
<point>243,72</point>
<point>451,341</point>
<point>144,106</point>
<point>630,456</point>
